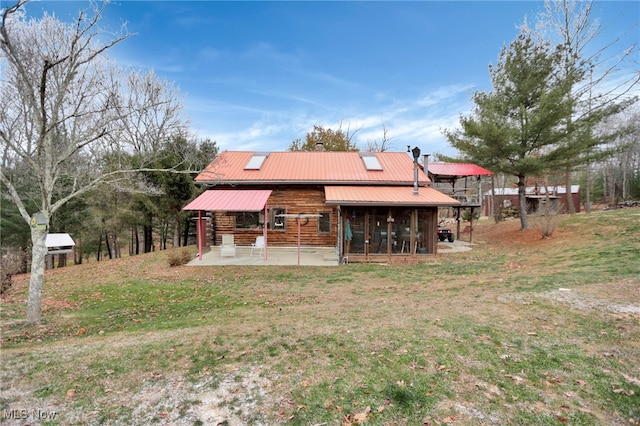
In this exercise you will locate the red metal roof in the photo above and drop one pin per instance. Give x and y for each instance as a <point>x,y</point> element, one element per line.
<point>386,195</point>
<point>457,169</point>
<point>230,200</point>
<point>311,167</point>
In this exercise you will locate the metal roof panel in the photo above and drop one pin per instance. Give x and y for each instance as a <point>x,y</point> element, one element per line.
<point>457,169</point>
<point>310,166</point>
<point>230,200</point>
<point>386,195</point>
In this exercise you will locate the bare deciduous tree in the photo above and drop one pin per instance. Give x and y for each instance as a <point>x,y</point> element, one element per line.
<point>69,115</point>
<point>604,77</point>
<point>382,145</point>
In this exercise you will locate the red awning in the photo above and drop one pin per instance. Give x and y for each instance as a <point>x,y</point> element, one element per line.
<point>457,169</point>
<point>386,195</point>
<point>230,200</point>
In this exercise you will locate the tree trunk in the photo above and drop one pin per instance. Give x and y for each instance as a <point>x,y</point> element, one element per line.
<point>571,208</point>
<point>185,232</point>
<point>131,243</point>
<point>77,253</point>
<point>176,232</point>
<point>106,240</point>
<point>587,179</point>
<point>99,252</point>
<point>522,199</point>
<point>164,233</point>
<point>136,249</point>
<point>494,206</point>
<point>148,238</point>
<point>116,248</point>
<point>38,255</point>
<point>147,232</point>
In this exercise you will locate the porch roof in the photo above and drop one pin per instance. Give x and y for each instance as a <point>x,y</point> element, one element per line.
<point>230,200</point>
<point>386,195</point>
<point>457,170</point>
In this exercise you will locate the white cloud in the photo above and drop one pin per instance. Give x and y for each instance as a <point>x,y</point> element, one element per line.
<point>415,121</point>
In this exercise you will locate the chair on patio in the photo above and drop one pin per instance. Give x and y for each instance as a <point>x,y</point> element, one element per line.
<point>228,246</point>
<point>259,244</point>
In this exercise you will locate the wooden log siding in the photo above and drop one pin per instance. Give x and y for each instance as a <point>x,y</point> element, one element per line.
<point>309,200</point>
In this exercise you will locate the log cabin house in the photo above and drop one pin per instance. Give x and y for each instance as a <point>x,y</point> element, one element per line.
<point>369,206</point>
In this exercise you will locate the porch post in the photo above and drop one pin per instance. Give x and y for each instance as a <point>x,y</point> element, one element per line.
<point>199,231</point>
<point>413,232</point>
<point>340,232</point>
<point>298,219</point>
<point>264,232</point>
<point>471,226</point>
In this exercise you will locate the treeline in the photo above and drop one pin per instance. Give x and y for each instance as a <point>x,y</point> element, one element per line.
<point>111,222</point>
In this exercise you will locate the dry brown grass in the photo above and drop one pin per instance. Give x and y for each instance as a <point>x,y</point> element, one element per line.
<point>465,336</point>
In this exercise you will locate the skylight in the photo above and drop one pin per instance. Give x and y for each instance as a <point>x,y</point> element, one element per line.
<point>256,160</point>
<point>371,161</point>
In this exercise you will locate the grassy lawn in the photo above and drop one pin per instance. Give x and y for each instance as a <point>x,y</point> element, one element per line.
<point>520,330</point>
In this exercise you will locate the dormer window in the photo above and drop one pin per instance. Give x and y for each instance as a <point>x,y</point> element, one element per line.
<point>256,160</point>
<point>370,161</point>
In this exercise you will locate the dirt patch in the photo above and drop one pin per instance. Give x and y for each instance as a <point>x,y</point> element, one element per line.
<point>616,298</point>
<point>509,233</point>
<point>234,399</point>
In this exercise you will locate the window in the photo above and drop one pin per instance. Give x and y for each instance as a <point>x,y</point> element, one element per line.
<point>248,220</point>
<point>324,223</point>
<point>278,220</point>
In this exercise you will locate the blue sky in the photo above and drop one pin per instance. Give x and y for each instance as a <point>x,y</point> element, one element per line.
<point>257,75</point>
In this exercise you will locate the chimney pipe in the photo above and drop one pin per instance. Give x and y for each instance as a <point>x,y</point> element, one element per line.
<point>319,146</point>
<point>416,154</point>
<point>426,164</point>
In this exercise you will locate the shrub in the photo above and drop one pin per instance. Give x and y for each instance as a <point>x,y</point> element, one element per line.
<point>179,257</point>
<point>11,262</point>
<point>546,224</point>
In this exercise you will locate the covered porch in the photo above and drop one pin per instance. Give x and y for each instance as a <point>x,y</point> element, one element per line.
<point>228,200</point>
<point>386,223</point>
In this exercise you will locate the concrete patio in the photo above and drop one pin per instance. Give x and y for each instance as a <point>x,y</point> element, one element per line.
<point>309,256</point>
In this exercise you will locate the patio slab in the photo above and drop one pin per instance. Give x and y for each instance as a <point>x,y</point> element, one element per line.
<point>309,256</point>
